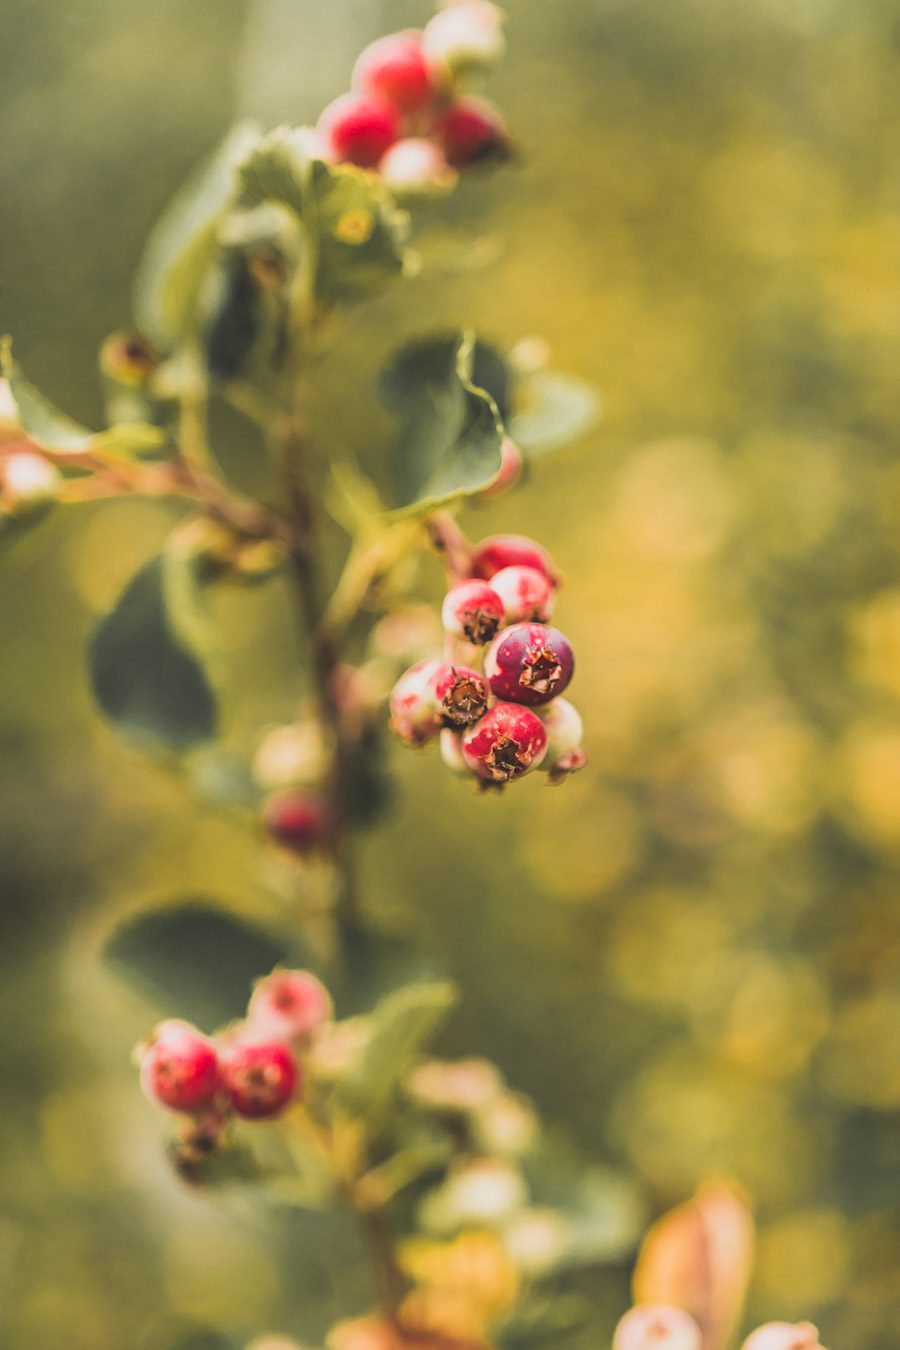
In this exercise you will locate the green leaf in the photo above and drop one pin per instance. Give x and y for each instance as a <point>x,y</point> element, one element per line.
<point>196,959</point>
<point>449,448</point>
<point>558,409</point>
<point>539,1320</point>
<point>427,360</point>
<point>184,247</point>
<point>144,672</point>
<point>54,430</point>
<point>403,1023</point>
<point>371,964</point>
<point>603,1212</point>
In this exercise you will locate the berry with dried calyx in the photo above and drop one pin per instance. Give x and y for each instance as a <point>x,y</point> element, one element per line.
<point>396,71</point>
<point>289,1005</point>
<point>529,663</point>
<point>260,1077</point>
<point>472,610</point>
<point>565,732</point>
<point>510,550</point>
<point>416,167</point>
<point>657,1328</point>
<point>509,473</point>
<point>527,594</point>
<point>505,744</point>
<point>414,706</point>
<point>470,131</point>
<point>296,820</point>
<point>461,695</point>
<point>179,1067</point>
<point>356,130</point>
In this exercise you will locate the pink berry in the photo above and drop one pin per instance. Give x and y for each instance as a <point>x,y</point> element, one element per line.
<point>296,820</point>
<point>657,1328</point>
<point>472,610</point>
<point>395,70</point>
<point>179,1067</point>
<point>471,130</point>
<point>527,594</point>
<point>507,742</point>
<point>461,695</point>
<point>783,1336</point>
<point>414,706</point>
<point>510,550</point>
<point>289,1005</point>
<point>452,752</point>
<point>465,37</point>
<point>260,1077</point>
<point>529,663</point>
<point>564,735</point>
<point>416,167</point>
<point>509,473</point>
<point>356,130</point>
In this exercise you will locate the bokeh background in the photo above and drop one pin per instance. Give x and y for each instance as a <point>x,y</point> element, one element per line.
<point>689,955</point>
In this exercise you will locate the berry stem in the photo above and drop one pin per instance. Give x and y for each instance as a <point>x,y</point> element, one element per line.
<point>450,541</point>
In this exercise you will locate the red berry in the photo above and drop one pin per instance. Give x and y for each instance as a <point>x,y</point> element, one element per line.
<point>394,70</point>
<point>260,1077</point>
<point>529,663</point>
<point>414,706</point>
<point>564,735</point>
<point>473,610</point>
<point>296,820</point>
<point>510,550</point>
<point>179,1067</point>
<point>461,695</point>
<point>527,594</point>
<point>356,130</point>
<point>471,130</point>
<point>507,742</point>
<point>289,1005</point>
<point>511,465</point>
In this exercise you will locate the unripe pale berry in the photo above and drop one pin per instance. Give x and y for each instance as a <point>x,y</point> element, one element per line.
<point>509,473</point>
<point>783,1336</point>
<point>461,695</point>
<point>452,753</point>
<point>289,1005</point>
<point>413,703</point>
<point>416,167</point>
<point>652,1328</point>
<point>510,550</point>
<point>27,481</point>
<point>529,663</point>
<point>296,820</point>
<point>395,70</point>
<point>356,130</point>
<point>507,742</point>
<point>527,594</point>
<point>471,130</point>
<point>465,37</point>
<point>472,610</point>
<point>565,731</point>
<point>179,1067</point>
<point>260,1077</point>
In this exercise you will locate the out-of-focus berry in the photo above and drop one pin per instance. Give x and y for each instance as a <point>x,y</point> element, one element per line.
<point>783,1336</point>
<point>472,130</point>
<point>465,38</point>
<point>416,167</point>
<point>662,1328</point>
<point>260,1077</point>
<point>395,70</point>
<point>27,482</point>
<point>288,1005</point>
<point>179,1067</point>
<point>565,731</point>
<point>355,130</point>
<point>510,550</point>
<point>413,703</point>
<point>296,820</point>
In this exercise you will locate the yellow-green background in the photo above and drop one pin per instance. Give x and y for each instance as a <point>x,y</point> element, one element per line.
<point>689,954</point>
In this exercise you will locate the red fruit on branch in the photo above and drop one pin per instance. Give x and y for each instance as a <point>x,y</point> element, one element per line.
<point>529,663</point>
<point>414,705</point>
<point>260,1077</point>
<point>472,610</point>
<point>356,130</point>
<point>296,820</point>
<point>510,550</point>
<point>507,742</point>
<point>461,695</point>
<point>395,70</point>
<point>179,1067</point>
<point>527,594</point>
<point>472,130</point>
<point>289,1005</point>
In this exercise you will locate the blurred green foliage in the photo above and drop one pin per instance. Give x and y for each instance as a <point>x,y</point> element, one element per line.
<point>689,954</point>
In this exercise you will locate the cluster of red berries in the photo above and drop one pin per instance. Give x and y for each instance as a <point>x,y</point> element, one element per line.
<point>405,116</point>
<point>252,1069</point>
<point>507,718</point>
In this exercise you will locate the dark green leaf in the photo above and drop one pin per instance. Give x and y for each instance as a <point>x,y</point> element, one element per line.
<point>196,959</point>
<point>427,360</point>
<point>557,409</point>
<point>372,964</point>
<point>144,673</point>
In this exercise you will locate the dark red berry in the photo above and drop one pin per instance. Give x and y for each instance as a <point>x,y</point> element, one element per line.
<point>260,1077</point>
<point>507,742</point>
<point>289,1005</point>
<point>529,663</point>
<point>461,695</point>
<point>510,550</point>
<point>179,1067</point>
<point>296,820</point>
<point>394,70</point>
<point>471,130</point>
<point>472,610</point>
<point>356,130</point>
